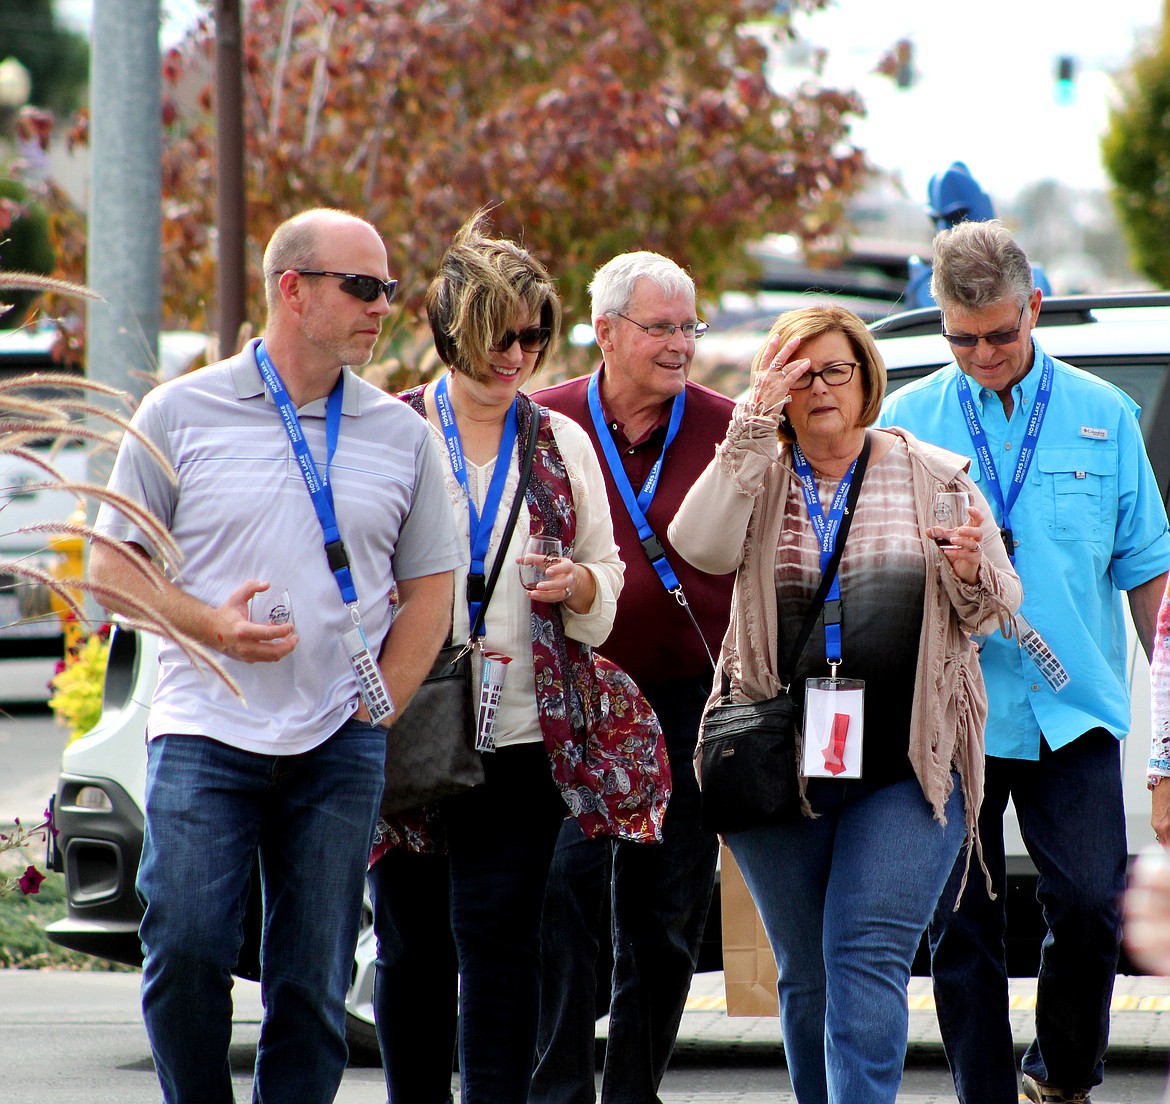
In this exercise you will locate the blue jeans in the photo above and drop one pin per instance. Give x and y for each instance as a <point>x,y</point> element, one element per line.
<point>500,841</point>
<point>659,895</point>
<point>416,978</point>
<point>209,810</point>
<point>845,898</point>
<point>1069,805</point>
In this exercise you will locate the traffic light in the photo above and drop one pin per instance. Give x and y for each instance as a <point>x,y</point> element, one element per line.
<point>904,63</point>
<point>898,62</point>
<point>1066,70</point>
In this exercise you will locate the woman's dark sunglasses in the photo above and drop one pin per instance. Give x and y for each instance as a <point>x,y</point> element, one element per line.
<point>365,288</point>
<point>532,340</point>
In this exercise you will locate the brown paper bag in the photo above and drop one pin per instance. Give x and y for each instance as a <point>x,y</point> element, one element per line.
<point>749,970</point>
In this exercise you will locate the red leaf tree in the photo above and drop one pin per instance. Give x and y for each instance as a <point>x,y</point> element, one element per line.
<point>591,128</point>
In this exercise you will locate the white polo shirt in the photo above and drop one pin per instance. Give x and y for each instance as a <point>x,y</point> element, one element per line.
<point>241,511</point>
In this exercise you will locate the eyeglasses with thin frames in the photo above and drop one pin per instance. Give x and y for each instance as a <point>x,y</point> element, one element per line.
<point>969,341</point>
<point>662,330</point>
<point>360,286</point>
<point>532,340</point>
<point>834,375</point>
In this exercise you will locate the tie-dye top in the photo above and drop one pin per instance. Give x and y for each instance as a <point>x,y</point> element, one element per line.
<point>883,580</point>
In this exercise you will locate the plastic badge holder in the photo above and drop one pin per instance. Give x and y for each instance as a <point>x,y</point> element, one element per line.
<point>495,667</point>
<point>834,722</point>
<point>370,684</point>
<point>1038,651</point>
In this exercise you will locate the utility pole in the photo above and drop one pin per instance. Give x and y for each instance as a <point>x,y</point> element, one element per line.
<point>231,289</point>
<point>125,214</point>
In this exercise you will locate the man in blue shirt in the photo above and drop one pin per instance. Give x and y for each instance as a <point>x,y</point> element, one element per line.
<point>1059,455</point>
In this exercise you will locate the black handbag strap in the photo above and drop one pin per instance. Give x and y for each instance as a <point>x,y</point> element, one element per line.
<point>814,611</point>
<point>506,539</point>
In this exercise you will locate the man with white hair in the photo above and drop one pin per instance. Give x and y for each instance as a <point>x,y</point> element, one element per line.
<point>654,432</point>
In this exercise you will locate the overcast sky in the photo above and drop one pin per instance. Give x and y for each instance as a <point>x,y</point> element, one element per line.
<point>984,91</point>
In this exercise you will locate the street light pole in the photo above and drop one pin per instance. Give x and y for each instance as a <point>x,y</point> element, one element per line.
<point>124,260</point>
<point>124,249</point>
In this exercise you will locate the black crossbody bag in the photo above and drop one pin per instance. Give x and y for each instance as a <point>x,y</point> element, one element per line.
<point>430,749</point>
<point>749,766</point>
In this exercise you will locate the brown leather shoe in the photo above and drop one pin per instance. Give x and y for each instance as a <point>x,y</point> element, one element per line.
<point>1040,1093</point>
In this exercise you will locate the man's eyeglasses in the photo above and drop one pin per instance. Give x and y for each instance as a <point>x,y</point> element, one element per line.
<point>969,341</point>
<point>365,288</point>
<point>532,340</point>
<point>834,375</point>
<point>662,330</point>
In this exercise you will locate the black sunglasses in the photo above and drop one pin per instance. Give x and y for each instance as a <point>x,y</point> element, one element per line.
<point>365,288</point>
<point>969,341</point>
<point>532,340</point>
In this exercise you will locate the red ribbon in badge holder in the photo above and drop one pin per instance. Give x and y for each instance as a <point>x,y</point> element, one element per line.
<point>495,667</point>
<point>835,752</point>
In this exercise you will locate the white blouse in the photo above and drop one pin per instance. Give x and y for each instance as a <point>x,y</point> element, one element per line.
<point>508,627</point>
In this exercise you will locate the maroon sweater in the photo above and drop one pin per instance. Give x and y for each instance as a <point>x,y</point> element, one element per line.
<point>653,638</point>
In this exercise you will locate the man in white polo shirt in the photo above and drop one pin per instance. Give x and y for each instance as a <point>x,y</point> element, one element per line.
<point>295,478</point>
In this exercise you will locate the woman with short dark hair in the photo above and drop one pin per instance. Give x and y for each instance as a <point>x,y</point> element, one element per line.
<point>461,884</point>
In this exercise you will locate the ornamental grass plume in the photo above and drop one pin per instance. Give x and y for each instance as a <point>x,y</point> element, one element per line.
<point>28,417</point>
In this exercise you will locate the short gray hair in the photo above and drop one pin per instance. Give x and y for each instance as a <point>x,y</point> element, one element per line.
<point>612,286</point>
<point>978,264</point>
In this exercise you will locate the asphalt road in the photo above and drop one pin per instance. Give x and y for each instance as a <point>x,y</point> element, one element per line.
<point>78,1037</point>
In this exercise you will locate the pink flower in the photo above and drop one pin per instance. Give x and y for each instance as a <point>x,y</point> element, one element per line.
<point>30,880</point>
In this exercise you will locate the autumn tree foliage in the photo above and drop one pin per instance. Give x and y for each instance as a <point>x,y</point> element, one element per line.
<point>590,127</point>
<point>1136,153</point>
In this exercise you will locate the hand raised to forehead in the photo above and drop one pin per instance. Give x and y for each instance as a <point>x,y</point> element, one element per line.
<point>772,382</point>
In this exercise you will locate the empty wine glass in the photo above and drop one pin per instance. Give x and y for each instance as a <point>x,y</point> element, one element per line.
<point>271,607</point>
<point>950,511</point>
<point>540,553</point>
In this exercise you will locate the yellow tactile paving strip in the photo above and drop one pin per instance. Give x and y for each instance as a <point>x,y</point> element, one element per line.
<point>924,1002</point>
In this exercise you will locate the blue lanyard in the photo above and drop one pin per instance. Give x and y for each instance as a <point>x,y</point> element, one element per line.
<point>826,530</point>
<point>637,506</point>
<point>479,528</point>
<point>1027,449</point>
<point>320,490</point>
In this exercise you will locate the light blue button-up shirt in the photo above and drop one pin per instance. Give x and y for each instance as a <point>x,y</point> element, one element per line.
<point>1089,523</point>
